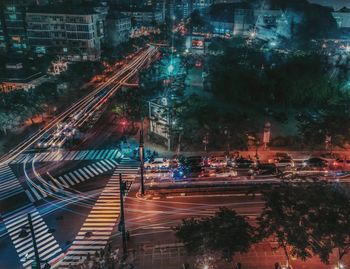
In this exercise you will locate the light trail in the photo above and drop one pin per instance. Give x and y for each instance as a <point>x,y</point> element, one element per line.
<point>127,70</point>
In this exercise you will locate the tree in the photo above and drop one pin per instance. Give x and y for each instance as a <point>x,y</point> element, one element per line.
<point>330,221</point>
<point>307,219</point>
<point>225,233</point>
<point>282,218</point>
<point>332,121</point>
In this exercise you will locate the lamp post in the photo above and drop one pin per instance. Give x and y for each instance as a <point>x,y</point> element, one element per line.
<point>257,144</point>
<point>36,264</point>
<point>142,152</point>
<point>35,247</point>
<point>121,226</point>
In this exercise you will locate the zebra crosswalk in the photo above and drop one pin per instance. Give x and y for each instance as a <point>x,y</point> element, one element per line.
<point>74,155</point>
<point>9,184</point>
<point>40,188</point>
<point>17,221</point>
<point>98,226</point>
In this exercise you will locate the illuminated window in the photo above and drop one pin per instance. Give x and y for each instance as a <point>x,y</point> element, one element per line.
<point>16,38</point>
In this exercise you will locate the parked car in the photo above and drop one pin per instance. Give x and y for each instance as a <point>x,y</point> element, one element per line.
<point>263,169</point>
<point>207,172</point>
<point>218,162</point>
<point>341,164</point>
<point>157,163</point>
<point>243,163</point>
<point>282,156</point>
<point>284,163</point>
<point>226,172</point>
<point>194,161</point>
<point>315,163</point>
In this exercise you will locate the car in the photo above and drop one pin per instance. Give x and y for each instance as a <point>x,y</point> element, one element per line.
<point>243,163</point>
<point>178,174</point>
<point>263,169</point>
<point>226,172</point>
<point>157,163</point>
<point>207,172</point>
<point>218,162</point>
<point>282,156</point>
<point>343,164</point>
<point>284,163</point>
<point>316,162</point>
<point>194,161</point>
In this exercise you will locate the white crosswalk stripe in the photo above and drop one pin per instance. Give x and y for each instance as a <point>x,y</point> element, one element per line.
<point>58,184</point>
<point>103,218</point>
<point>63,155</point>
<point>9,184</point>
<point>48,247</point>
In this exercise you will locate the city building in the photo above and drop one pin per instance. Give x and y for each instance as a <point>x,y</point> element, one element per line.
<point>243,21</point>
<point>73,32</point>
<point>118,28</point>
<point>342,17</point>
<point>14,19</point>
<point>17,77</point>
<point>160,122</point>
<point>3,41</point>
<point>144,16</point>
<point>202,5</point>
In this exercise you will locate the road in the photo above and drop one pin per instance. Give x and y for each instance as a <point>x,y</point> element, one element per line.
<point>81,111</point>
<point>150,224</point>
<point>53,182</point>
<point>73,196</point>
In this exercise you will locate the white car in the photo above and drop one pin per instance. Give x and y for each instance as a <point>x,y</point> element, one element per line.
<point>218,162</point>
<point>285,163</point>
<point>157,163</point>
<point>227,172</point>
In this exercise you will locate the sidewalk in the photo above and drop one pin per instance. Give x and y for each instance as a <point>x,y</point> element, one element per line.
<point>263,154</point>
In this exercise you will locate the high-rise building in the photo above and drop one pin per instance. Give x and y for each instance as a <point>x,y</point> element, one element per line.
<point>118,28</point>
<point>202,5</point>
<point>14,18</point>
<point>70,31</point>
<point>3,41</point>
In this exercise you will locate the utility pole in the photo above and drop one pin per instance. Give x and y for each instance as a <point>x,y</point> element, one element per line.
<point>121,226</point>
<point>142,156</point>
<point>35,247</point>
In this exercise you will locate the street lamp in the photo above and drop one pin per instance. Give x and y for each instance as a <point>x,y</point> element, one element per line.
<point>257,144</point>
<point>142,156</point>
<point>36,264</point>
<point>121,226</point>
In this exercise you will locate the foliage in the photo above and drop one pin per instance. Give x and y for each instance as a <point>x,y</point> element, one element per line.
<point>333,121</point>
<point>244,75</point>
<point>225,233</point>
<point>307,219</point>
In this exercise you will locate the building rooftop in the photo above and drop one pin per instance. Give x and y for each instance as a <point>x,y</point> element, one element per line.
<point>114,14</point>
<point>344,10</point>
<point>62,9</point>
<point>224,11</point>
<point>123,8</point>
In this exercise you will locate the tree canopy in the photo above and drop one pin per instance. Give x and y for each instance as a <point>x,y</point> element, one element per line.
<point>225,233</point>
<point>307,219</point>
